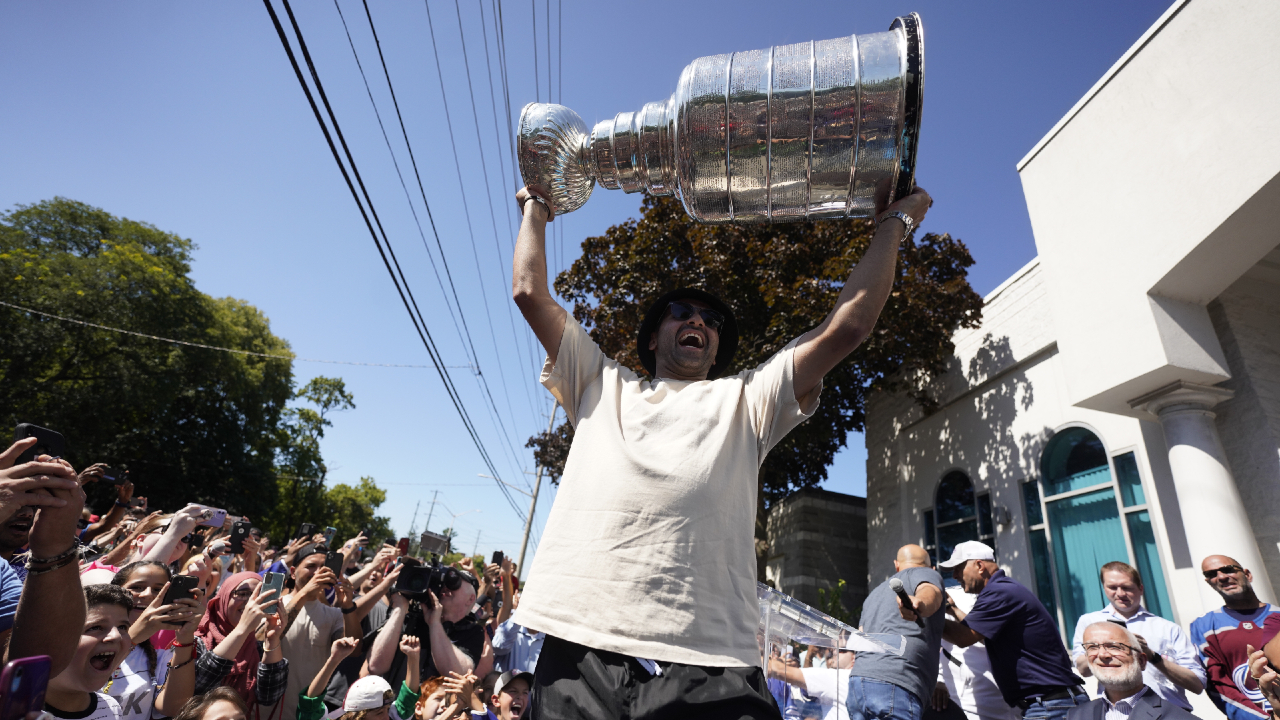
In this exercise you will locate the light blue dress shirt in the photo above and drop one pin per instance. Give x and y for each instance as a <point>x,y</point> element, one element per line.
<point>1162,636</point>
<point>515,648</point>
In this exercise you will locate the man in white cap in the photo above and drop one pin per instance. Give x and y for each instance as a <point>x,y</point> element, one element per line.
<point>1028,660</point>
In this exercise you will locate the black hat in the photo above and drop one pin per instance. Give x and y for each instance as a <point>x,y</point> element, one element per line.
<point>652,318</point>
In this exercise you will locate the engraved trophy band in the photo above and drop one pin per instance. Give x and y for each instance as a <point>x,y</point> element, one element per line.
<point>817,130</point>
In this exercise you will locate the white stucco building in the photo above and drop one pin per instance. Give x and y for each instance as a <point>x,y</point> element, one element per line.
<point>1121,400</point>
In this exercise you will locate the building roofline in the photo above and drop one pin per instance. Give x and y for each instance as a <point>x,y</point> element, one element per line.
<point>1011,280</point>
<point>1151,32</point>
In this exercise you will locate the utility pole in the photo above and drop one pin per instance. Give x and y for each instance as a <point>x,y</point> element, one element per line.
<point>477,545</point>
<point>533,502</point>
<point>429,512</point>
<point>413,524</point>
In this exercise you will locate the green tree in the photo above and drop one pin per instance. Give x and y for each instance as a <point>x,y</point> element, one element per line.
<point>353,510</point>
<point>190,424</point>
<point>301,469</point>
<point>781,281</point>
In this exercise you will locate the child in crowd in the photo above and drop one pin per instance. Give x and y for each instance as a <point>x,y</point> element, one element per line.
<point>159,679</point>
<point>220,703</point>
<point>104,643</point>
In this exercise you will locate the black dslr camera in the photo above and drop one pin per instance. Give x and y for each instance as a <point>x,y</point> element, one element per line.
<point>417,579</point>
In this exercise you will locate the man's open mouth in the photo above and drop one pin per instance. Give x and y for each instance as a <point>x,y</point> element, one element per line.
<point>102,661</point>
<point>690,338</point>
<point>20,526</point>
<point>516,709</point>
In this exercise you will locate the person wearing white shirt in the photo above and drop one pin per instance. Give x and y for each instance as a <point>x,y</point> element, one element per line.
<point>970,683</point>
<point>1173,666</point>
<point>828,685</point>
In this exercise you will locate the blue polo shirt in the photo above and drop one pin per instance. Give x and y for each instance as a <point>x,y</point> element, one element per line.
<point>1027,655</point>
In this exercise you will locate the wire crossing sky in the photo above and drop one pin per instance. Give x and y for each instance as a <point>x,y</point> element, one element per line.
<point>190,117</point>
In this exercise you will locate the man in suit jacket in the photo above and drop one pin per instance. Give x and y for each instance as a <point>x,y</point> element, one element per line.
<point>1115,656</point>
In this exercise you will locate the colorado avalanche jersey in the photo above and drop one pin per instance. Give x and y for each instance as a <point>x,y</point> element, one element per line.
<point>1221,636</point>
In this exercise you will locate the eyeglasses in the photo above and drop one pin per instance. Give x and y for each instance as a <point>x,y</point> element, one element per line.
<point>1111,648</point>
<point>682,311</point>
<point>1228,569</point>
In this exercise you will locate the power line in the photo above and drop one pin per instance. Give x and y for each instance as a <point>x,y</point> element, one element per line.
<point>212,347</point>
<point>423,332</point>
<point>475,359</point>
<point>488,189</point>
<point>466,209</point>
<point>369,91</point>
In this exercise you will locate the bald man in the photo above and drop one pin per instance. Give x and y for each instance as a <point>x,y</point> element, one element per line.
<point>883,685</point>
<point>1224,637</point>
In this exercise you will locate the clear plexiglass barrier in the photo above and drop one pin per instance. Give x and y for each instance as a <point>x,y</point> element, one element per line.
<point>808,687</point>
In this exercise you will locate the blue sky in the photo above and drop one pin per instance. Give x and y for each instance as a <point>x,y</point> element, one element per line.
<point>188,116</point>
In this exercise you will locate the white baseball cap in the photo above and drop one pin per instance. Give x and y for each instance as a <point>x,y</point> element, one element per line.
<point>508,677</point>
<point>969,550</point>
<point>367,693</point>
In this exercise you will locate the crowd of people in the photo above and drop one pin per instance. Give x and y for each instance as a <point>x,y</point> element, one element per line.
<point>985,647</point>
<point>197,615</point>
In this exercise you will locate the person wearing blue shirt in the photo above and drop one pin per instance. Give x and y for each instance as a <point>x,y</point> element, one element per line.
<point>1028,660</point>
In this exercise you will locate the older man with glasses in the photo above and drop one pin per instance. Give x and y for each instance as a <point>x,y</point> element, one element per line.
<point>1224,638</point>
<point>1115,656</point>
<point>1172,664</point>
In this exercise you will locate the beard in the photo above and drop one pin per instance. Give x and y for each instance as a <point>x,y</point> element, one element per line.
<point>1120,678</point>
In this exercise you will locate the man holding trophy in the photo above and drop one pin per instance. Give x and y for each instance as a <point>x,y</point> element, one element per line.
<point>644,581</point>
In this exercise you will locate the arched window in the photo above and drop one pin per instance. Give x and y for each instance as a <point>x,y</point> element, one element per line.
<point>1091,515</point>
<point>958,515</point>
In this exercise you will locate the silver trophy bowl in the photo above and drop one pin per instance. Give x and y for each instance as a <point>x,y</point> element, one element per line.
<point>817,130</point>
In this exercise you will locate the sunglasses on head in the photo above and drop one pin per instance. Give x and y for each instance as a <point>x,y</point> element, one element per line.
<point>683,311</point>
<point>1228,569</point>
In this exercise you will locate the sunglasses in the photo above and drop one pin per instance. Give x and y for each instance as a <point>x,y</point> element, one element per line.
<point>682,311</point>
<point>1228,569</point>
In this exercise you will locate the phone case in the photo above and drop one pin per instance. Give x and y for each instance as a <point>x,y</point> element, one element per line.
<point>22,687</point>
<point>272,581</point>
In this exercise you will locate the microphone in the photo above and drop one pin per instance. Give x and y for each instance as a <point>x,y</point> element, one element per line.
<point>221,548</point>
<point>896,586</point>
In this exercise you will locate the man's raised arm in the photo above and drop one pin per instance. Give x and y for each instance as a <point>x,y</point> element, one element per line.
<point>860,302</point>
<point>529,276</point>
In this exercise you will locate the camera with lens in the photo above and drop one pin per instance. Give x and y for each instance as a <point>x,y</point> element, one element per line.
<point>417,580</point>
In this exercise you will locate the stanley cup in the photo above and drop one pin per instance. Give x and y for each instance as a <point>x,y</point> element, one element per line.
<point>815,130</point>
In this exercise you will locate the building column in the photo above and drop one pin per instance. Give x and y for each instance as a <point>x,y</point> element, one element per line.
<point>1213,513</point>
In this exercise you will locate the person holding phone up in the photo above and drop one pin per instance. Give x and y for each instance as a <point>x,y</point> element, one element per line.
<point>310,624</point>
<point>238,611</point>
<point>50,604</point>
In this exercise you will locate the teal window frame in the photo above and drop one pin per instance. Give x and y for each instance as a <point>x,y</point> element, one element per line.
<point>1128,485</point>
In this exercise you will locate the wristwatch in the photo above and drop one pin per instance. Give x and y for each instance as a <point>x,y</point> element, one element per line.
<point>906,219</point>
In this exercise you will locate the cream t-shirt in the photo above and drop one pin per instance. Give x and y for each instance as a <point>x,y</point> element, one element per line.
<point>649,549</point>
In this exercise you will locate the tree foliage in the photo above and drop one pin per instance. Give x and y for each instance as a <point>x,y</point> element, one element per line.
<point>190,424</point>
<point>781,281</point>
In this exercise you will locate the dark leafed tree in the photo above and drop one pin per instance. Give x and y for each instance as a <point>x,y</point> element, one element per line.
<point>781,281</point>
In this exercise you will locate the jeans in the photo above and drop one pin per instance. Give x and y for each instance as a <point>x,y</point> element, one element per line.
<point>1053,709</point>
<point>875,699</point>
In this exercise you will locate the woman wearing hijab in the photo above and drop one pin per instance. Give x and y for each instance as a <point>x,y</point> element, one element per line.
<point>257,671</point>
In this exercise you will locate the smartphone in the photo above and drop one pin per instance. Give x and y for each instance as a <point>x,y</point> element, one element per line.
<point>403,546</point>
<point>48,442</point>
<point>1121,623</point>
<point>272,581</point>
<point>333,561</point>
<point>497,558</point>
<point>239,531</point>
<point>306,530</point>
<point>22,686</point>
<point>329,532</point>
<point>216,520</point>
<point>180,587</point>
<point>138,503</point>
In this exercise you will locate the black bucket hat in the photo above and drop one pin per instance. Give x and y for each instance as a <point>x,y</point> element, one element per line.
<point>653,317</point>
